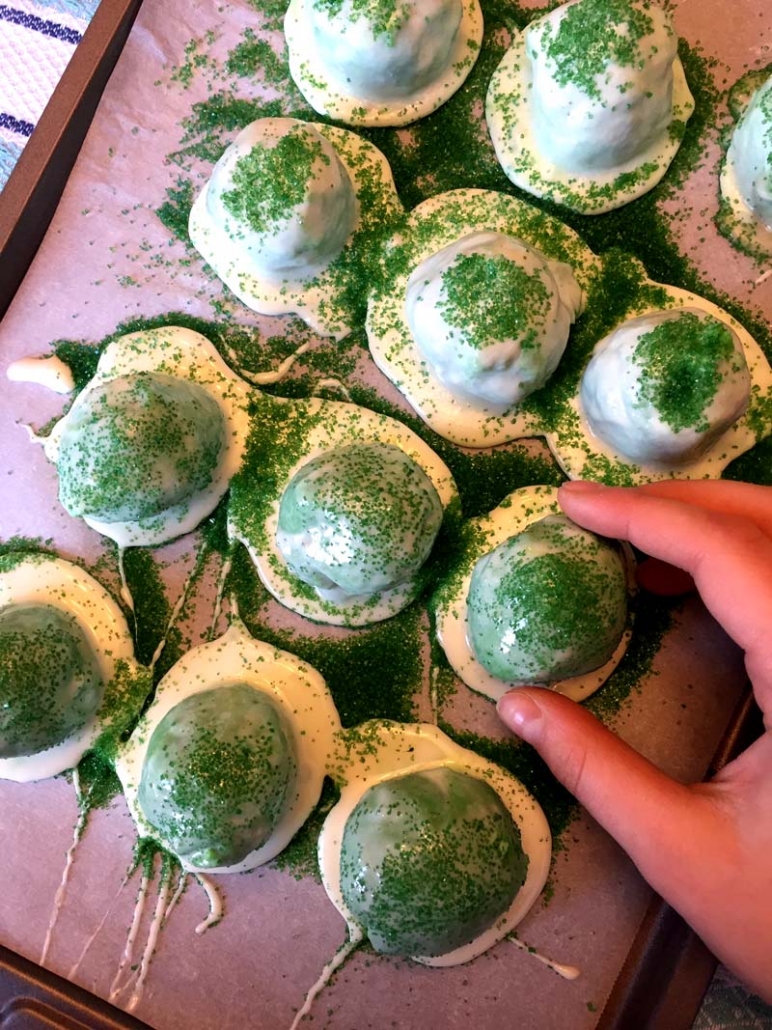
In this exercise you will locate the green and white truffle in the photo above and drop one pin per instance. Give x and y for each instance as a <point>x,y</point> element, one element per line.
<point>429,861</point>
<point>149,446</point>
<point>432,851</point>
<point>547,604</point>
<point>662,388</point>
<point>50,682</point>
<point>228,761</point>
<point>66,665</point>
<point>491,316</point>
<point>533,599</point>
<point>589,105</point>
<point>746,177</point>
<point>137,445</point>
<point>478,294</point>
<point>339,508</point>
<point>292,213</point>
<point>381,62</point>
<point>358,519</point>
<point>218,775</point>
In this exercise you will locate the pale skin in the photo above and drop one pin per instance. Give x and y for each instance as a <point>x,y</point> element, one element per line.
<point>706,848</point>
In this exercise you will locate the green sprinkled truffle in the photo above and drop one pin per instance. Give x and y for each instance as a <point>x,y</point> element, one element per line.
<point>218,775</point>
<point>359,518</point>
<point>50,684</point>
<point>429,861</point>
<point>137,445</point>
<point>547,604</point>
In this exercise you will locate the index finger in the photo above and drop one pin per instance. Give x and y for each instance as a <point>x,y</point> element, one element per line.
<point>729,557</point>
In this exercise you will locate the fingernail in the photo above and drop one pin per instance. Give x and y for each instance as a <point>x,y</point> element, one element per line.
<point>584,487</point>
<point>522,714</point>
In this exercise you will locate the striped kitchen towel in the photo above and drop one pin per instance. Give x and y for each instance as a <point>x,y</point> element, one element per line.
<point>37,39</point>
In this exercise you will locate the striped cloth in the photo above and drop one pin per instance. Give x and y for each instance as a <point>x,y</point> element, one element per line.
<point>37,39</point>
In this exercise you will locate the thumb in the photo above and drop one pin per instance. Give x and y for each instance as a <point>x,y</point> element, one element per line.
<point>661,824</point>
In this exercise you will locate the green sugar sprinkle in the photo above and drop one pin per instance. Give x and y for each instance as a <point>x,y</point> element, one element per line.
<point>593,34</point>
<point>490,299</point>
<point>271,181</point>
<point>683,362</point>
<point>385,17</point>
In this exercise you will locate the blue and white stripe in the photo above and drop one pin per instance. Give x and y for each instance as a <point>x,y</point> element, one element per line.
<point>37,39</point>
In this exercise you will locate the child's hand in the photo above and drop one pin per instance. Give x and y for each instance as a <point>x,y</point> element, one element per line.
<point>707,849</point>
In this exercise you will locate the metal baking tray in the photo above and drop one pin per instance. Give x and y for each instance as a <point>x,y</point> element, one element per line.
<point>667,969</point>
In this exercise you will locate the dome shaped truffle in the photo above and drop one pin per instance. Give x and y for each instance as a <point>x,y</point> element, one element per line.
<point>547,604</point>
<point>358,519</point>
<point>50,680</point>
<point>138,444</point>
<point>381,62</point>
<point>662,388</point>
<point>589,105</point>
<point>283,196</point>
<point>429,861</point>
<point>491,315</point>
<point>218,775</point>
<point>746,177</point>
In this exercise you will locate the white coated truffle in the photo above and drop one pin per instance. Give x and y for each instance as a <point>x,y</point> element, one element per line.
<point>589,105</point>
<point>381,62</point>
<point>602,82</point>
<point>662,388</point>
<point>746,178</point>
<point>491,316</point>
<point>384,51</point>
<point>283,196</point>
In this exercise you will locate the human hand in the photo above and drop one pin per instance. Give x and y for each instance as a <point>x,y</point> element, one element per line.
<point>706,848</point>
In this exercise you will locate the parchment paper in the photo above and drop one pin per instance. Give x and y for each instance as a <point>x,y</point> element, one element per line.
<point>107,258</point>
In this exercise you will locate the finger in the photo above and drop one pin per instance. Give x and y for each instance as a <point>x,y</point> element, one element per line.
<point>698,847</point>
<point>744,499</point>
<point>729,558</point>
<point>628,796</point>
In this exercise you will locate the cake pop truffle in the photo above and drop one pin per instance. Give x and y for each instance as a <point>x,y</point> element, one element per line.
<point>662,388</point>
<point>381,62</point>
<point>547,604</point>
<point>534,599</point>
<point>291,214</point>
<point>491,316</point>
<point>589,105</point>
<point>746,178</point>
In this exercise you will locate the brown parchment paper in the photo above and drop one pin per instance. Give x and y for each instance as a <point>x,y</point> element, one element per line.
<point>106,258</point>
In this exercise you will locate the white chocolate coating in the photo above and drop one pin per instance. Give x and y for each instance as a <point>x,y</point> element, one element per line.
<point>300,691</point>
<point>180,352</point>
<point>497,373</point>
<point>591,145</point>
<point>348,68</point>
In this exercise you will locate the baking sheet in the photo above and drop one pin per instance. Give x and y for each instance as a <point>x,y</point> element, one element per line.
<point>107,258</point>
